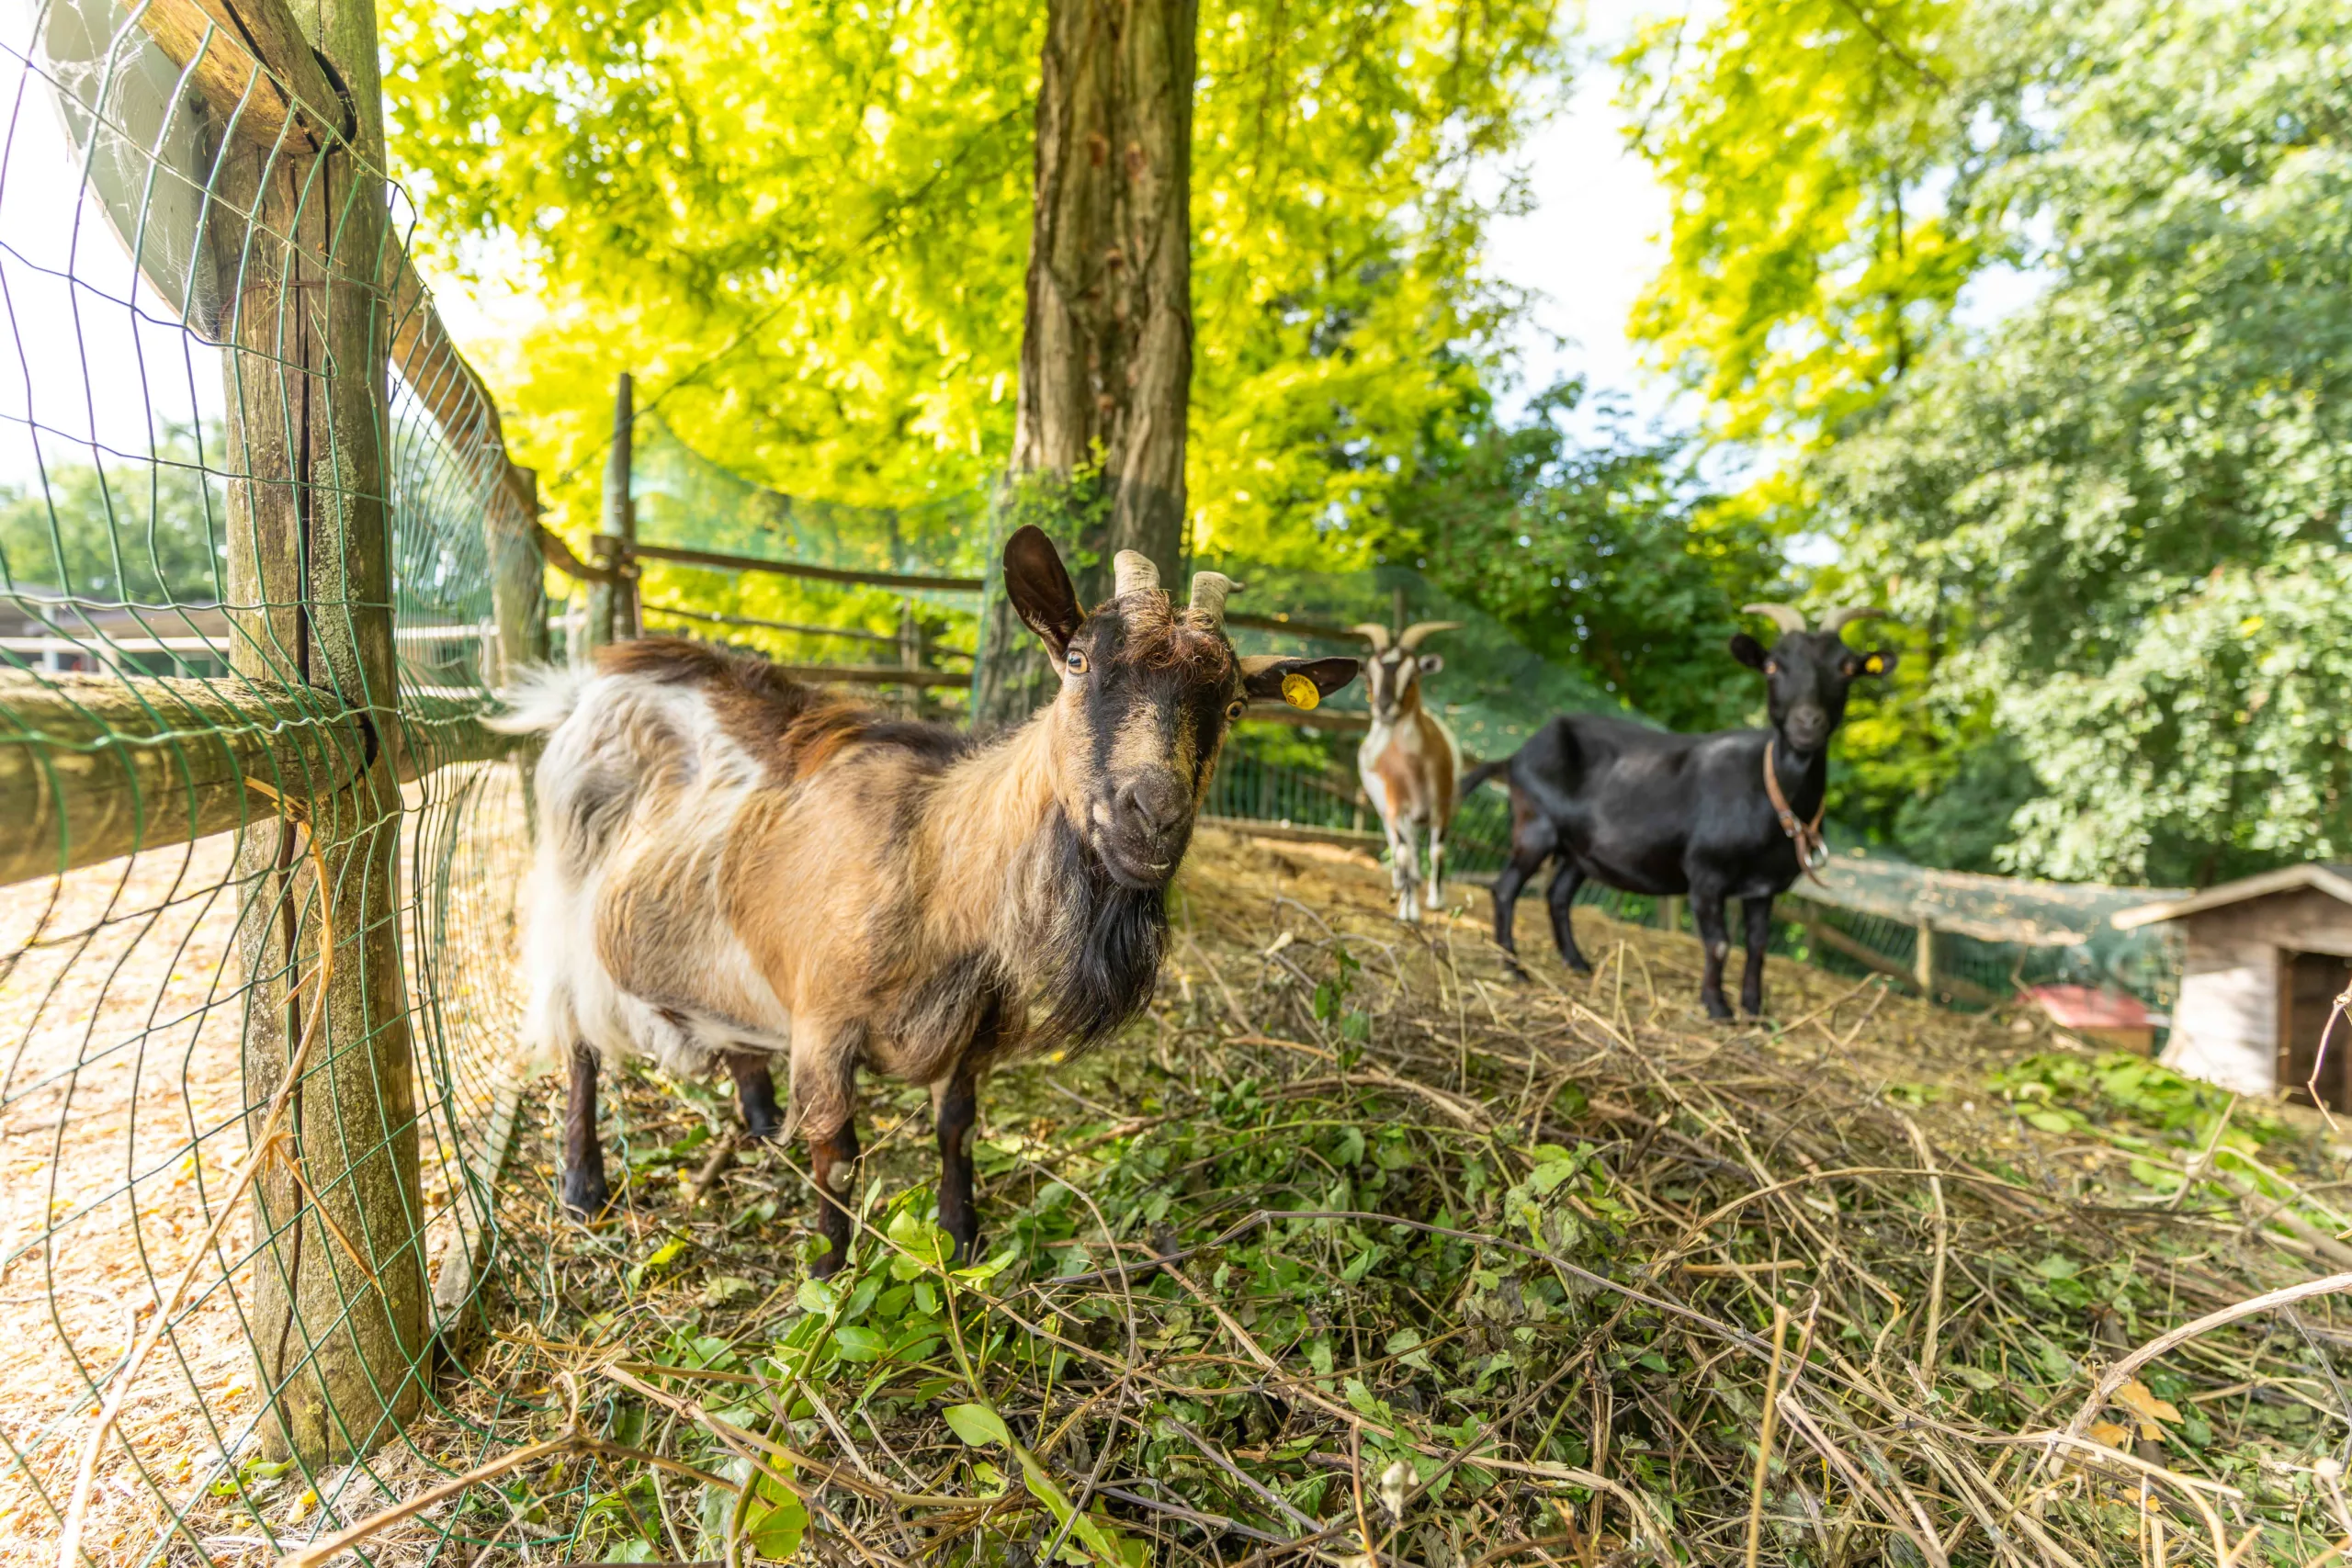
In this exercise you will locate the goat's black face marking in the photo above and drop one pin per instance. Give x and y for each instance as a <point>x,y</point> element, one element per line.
<point>1806,677</point>
<point>1149,690</point>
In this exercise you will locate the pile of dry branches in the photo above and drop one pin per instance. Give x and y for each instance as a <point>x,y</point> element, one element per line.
<point>1356,1252</point>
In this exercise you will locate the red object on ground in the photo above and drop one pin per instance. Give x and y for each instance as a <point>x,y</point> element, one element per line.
<point>2087,1007</point>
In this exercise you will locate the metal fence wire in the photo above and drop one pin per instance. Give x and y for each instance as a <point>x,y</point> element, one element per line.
<point>262,560</point>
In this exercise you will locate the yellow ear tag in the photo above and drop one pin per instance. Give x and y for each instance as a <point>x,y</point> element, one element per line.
<point>1299,691</point>
<point>1875,664</point>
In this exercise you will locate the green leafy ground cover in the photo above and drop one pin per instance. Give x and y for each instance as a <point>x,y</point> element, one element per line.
<point>1353,1252</point>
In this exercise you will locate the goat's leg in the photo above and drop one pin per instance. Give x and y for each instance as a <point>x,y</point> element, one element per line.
<point>955,1105</point>
<point>1409,872</point>
<point>755,1092</point>
<point>1398,856</point>
<point>1561,897</point>
<point>1513,877</point>
<point>1434,898</point>
<point>824,1104</point>
<point>1707,914</point>
<point>832,1160</point>
<point>585,1192</point>
<point>1756,917</point>
<point>1393,830</point>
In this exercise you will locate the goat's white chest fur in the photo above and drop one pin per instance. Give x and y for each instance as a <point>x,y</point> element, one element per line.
<point>641,789</point>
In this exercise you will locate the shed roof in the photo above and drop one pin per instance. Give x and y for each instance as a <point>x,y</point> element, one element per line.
<point>2334,880</point>
<point>2085,1007</point>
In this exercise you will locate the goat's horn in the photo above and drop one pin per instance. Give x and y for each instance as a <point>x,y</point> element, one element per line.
<point>1413,635</point>
<point>1209,591</point>
<point>1788,617</point>
<point>1373,633</point>
<point>1839,618</point>
<point>1132,572</point>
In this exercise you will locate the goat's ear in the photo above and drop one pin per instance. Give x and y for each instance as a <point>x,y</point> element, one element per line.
<point>1877,661</point>
<point>1747,651</point>
<point>1039,586</point>
<point>1431,663</point>
<point>1269,675</point>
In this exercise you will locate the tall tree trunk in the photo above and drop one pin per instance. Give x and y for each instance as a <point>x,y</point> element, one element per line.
<point>1106,351</point>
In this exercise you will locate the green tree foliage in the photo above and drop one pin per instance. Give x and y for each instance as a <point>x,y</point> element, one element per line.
<point>125,533</point>
<point>820,213</point>
<point>1609,558</point>
<point>2102,490</point>
<point>817,210</point>
<point>1805,260</point>
<point>2216,744</point>
<point>2082,510</point>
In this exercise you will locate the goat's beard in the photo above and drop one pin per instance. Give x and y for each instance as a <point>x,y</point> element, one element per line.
<point>1110,939</point>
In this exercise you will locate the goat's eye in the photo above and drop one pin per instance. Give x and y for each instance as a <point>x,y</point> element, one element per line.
<point>1076,660</point>
<point>1233,710</point>
<point>1771,667</point>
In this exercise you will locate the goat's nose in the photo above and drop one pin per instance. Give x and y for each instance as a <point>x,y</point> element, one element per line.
<point>1153,800</point>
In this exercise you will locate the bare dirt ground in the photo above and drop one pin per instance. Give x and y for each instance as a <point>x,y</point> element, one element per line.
<point>121,1119</point>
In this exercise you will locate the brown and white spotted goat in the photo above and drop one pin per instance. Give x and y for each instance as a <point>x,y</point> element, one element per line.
<point>1409,761</point>
<point>734,868</point>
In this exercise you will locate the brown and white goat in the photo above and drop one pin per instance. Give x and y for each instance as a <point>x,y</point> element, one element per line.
<point>1409,761</point>
<point>735,868</point>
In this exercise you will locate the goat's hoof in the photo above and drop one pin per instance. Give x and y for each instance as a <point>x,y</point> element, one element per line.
<point>1719,1011</point>
<point>968,1246</point>
<point>1577,966</point>
<point>1514,974</point>
<point>827,1264</point>
<point>585,1194</point>
<point>763,1128</point>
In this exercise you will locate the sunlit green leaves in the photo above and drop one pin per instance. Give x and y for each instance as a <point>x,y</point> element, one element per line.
<point>1809,252</point>
<point>768,1515</point>
<point>820,213</point>
<point>2114,519</point>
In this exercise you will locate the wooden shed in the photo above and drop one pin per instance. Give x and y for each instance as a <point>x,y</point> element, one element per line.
<point>2266,959</point>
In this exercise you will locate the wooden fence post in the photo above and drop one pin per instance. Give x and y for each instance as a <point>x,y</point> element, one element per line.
<point>911,655</point>
<point>612,606</point>
<point>517,580</point>
<point>338,1301</point>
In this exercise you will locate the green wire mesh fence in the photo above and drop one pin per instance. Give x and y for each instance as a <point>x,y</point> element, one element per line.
<point>900,590</point>
<point>262,559</point>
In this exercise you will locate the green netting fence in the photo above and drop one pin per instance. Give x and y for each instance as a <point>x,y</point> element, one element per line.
<point>262,560</point>
<point>1989,936</point>
<point>901,590</point>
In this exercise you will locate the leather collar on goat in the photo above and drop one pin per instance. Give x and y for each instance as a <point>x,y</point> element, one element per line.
<point>1806,835</point>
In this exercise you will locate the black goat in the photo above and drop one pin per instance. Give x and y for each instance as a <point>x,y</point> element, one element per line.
<point>1733,814</point>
